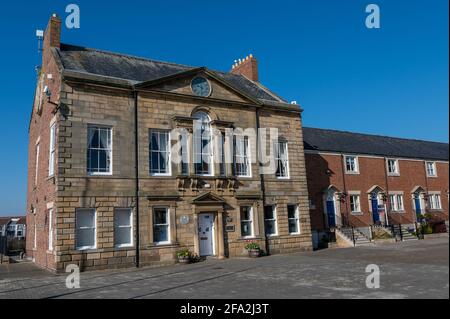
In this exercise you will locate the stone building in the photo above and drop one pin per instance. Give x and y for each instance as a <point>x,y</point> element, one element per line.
<point>363,180</point>
<point>107,188</point>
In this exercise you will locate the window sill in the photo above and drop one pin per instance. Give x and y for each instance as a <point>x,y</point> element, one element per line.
<point>352,173</point>
<point>86,249</point>
<point>393,175</point>
<point>357,213</point>
<point>162,245</point>
<point>436,210</point>
<point>397,211</point>
<point>99,175</point>
<point>432,176</point>
<point>124,246</point>
<point>249,238</point>
<point>243,177</point>
<point>161,176</point>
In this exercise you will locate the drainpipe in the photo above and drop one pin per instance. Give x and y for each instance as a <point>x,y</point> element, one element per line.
<point>345,189</point>
<point>261,177</point>
<point>136,165</point>
<point>388,201</point>
<point>426,188</point>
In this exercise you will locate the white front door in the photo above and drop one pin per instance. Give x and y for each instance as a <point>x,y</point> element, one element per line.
<point>206,234</point>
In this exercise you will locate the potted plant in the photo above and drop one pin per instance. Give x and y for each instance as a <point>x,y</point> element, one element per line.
<point>184,256</point>
<point>253,249</point>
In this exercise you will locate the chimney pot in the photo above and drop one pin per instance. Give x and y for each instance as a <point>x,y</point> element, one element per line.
<point>247,67</point>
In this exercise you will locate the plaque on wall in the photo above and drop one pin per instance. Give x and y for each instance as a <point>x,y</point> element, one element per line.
<point>184,219</point>
<point>229,228</point>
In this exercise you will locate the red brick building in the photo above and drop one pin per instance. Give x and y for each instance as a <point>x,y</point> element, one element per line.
<point>361,180</point>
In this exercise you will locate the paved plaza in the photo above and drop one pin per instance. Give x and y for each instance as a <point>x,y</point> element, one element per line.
<point>417,269</point>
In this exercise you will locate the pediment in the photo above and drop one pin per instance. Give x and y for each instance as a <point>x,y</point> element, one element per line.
<point>418,190</point>
<point>208,198</point>
<point>375,189</point>
<point>180,83</point>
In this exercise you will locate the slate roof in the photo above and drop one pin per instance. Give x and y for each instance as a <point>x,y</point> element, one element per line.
<point>137,69</point>
<point>6,220</point>
<point>356,143</point>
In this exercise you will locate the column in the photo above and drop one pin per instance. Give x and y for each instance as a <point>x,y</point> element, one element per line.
<point>256,214</point>
<point>221,254</point>
<point>195,222</point>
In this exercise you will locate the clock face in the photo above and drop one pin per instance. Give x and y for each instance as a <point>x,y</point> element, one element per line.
<point>201,87</point>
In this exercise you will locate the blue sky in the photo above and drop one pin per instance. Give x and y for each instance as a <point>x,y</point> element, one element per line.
<point>388,81</point>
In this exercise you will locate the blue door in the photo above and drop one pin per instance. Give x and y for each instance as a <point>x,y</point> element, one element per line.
<point>418,208</point>
<point>375,214</point>
<point>330,214</point>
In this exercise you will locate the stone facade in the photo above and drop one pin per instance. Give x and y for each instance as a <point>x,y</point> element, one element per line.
<point>168,105</point>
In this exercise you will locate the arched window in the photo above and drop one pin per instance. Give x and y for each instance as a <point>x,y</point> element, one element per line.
<point>202,144</point>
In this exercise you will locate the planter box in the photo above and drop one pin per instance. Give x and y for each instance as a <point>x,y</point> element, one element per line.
<point>184,260</point>
<point>254,253</point>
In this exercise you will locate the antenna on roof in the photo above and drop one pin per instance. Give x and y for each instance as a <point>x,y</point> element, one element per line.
<point>40,36</point>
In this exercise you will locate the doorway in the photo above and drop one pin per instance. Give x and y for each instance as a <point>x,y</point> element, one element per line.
<point>333,216</point>
<point>206,234</point>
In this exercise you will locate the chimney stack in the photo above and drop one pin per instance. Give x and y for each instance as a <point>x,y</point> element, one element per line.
<point>247,67</point>
<point>52,35</point>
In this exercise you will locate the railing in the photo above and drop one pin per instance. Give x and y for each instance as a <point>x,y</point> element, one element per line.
<point>353,236</point>
<point>420,234</point>
<point>341,229</point>
<point>397,230</point>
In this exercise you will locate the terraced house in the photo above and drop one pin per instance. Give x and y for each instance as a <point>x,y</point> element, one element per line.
<point>106,188</point>
<point>367,181</point>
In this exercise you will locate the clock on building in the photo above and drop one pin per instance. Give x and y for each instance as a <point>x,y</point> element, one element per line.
<point>200,86</point>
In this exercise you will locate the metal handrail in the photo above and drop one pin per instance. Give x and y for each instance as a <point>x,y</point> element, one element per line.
<point>353,236</point>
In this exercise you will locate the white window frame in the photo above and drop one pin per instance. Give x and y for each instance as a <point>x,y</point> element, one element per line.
<point>397,202</point>
<point>168,241</point>
<point>434,200</point>
<point>222,161</point>
<point>52,150</point>
<point>278,159</point>
<point>396,167</point>
<point>130,211</point>
<point>95,229</point>
<point>356,164</point>
<point>50,229</point>
<point>167,151</point>
<point>200,152</point>
<point>245,158</point>
<point>252,232</point>
<point>108,149</point>
<point>356,204</point>
<point>433,167</point>
<point>274,210</point>
<point>183,139</point>
<point>296,218</point>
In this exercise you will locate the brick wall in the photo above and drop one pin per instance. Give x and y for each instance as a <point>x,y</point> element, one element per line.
<point>41,196</point>
<point>372,171</point>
